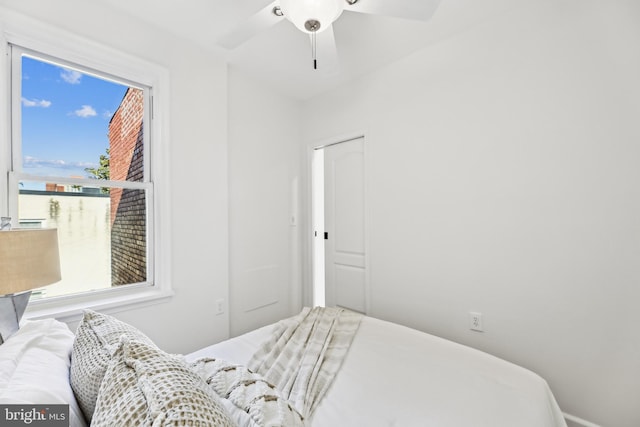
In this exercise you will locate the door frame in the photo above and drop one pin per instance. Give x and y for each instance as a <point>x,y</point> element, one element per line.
<point>310,223</point>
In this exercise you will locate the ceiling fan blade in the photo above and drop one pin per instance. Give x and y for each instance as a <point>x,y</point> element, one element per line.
<point>260,21</point>
<point>326,51</point>
<point>420,10</point>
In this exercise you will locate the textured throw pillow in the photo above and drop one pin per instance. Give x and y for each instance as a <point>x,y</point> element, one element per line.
<point>97,339</point>
<point>145,386</point>
<point>249,399</point>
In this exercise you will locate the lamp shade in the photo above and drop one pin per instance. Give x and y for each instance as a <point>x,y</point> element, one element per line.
<point>300,12</point>
<point>29,258</point>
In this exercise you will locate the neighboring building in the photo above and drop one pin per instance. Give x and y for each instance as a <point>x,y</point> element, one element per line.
<point>84,236</point>
<point>128,218</point>
<point>50,186</point>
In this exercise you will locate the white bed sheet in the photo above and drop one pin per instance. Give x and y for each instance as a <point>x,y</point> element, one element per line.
<point>397,376</point>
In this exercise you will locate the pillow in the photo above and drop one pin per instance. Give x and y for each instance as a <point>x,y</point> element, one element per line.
<point>97,339</point>
<point>249,399</point>
<point>145,386</point>
<point>34,367</point>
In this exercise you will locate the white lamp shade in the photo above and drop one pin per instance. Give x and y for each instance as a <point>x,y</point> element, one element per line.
<point>301,11</point>
<point>29,259</point>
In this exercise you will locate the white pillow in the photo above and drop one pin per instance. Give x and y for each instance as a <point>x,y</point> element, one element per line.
<point>34,367</point>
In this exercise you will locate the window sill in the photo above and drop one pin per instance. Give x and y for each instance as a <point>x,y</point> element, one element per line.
<point>69,308</point>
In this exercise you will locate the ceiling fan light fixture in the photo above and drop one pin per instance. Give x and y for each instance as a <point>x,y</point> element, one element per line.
<point>312,16</point>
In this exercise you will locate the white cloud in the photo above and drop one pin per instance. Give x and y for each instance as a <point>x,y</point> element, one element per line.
<point>85,111</point>
<point>71,76</point>
<point>35,103</point>
<point>33,162</point>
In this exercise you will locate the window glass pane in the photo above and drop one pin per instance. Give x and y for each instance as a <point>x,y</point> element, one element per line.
<point>79,126</point>
<point>128,236</point>
<point>84,234</point>
<point>101,235</point>
<point>83,131</point>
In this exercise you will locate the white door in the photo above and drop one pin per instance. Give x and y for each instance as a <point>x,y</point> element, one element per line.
<point>344,225</point>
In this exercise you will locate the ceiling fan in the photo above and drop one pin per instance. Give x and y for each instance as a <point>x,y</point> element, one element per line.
<point>316,18</point>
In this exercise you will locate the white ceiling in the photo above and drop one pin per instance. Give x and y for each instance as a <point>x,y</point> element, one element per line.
<point>281,55</point>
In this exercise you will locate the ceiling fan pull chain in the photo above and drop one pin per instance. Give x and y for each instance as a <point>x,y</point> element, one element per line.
<point>314,51</point>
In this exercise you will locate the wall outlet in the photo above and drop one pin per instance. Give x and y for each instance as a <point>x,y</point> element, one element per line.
<point>219,306</point>
<point>475,321</point>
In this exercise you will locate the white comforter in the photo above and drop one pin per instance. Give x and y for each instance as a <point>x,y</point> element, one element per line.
<point>397,376</point>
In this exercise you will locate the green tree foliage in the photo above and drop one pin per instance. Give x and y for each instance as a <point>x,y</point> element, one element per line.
<point>102,171</point>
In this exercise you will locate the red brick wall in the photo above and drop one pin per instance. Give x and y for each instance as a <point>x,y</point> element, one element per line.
<point>128,211</point>
<point>124,130</point>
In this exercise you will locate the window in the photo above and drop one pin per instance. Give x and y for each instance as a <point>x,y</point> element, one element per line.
<point>82,157</point>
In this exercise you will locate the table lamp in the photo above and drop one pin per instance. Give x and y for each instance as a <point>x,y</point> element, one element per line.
<point>29,259</point>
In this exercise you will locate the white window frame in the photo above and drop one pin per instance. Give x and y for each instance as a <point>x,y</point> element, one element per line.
<point>110,62</point>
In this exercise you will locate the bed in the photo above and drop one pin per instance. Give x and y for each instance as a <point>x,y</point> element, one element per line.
<point>397,376</point>
<point>385,375</point>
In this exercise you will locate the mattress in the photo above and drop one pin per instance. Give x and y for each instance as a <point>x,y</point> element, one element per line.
<point>398,376</point>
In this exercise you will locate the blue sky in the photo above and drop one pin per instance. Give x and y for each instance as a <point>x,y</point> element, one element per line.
<point>65,118</point>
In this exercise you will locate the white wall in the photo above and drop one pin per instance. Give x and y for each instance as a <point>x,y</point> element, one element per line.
<point>503,178</point>
<point>198,166</point>
<point>264,165</point>
<point>235,171</point>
